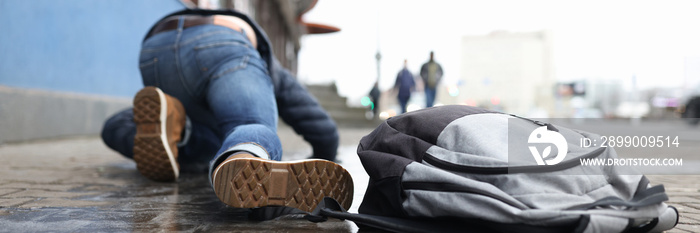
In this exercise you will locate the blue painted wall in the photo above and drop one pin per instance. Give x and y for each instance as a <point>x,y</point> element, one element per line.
<point>84,46</point>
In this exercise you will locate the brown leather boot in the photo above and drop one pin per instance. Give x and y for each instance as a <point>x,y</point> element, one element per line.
<point>246,181</point>
<point>160,120</point>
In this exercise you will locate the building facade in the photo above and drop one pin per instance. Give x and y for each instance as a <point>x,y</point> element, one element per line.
<point>511,72</point>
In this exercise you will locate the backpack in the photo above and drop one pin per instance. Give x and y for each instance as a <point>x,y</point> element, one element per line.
<point>432,74</point>
<point>466,169</point>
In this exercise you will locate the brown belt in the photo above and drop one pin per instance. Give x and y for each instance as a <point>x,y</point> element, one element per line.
<point>171,23</point>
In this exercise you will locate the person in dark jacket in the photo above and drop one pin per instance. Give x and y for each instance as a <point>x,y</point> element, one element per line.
<point>213,94</point>
<point>405,85</point>
<point>374,94</point>
<point>431,73</point>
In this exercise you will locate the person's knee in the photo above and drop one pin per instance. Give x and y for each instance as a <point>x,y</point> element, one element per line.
<point>251,128</point>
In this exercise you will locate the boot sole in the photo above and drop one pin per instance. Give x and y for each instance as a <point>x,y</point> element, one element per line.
<point>152,154</point>
<point>250,183</point>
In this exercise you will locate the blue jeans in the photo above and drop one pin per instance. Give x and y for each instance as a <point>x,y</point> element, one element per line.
<point>429,96</point>
<point>224,86</point>
<point>403,102</point>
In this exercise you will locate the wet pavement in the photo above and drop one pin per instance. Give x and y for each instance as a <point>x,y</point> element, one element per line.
<point>79,185</point>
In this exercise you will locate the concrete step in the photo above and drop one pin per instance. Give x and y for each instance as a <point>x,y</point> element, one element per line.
<point>329,98</point>
<point>325,92</point>
<point>328,106</point>
<point>357,112</point>
<point>332,104</point>
<point>337,107</point>
<point>354,117</point>
<point>322,88</point>
<point>343,120</point>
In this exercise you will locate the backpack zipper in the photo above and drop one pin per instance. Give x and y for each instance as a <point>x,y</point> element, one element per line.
<point>550,127</point>
<point>509,170</point>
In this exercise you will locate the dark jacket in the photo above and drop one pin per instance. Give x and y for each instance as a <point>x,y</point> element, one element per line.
<point>295,105</point>
<point>405,83</point>
<point>424,73</point>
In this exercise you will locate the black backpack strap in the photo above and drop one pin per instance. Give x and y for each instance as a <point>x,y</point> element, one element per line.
<point>272,212</point>
<point>668,220</point>
<point>330,208</point>
<point>325,209</point>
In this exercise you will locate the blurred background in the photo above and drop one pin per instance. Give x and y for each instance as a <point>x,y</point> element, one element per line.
<point>533,58</point>
<point>66,65</point>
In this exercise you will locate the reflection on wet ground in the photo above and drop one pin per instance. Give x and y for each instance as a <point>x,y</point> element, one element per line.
<point>83,186</point>
<point>79,185</point>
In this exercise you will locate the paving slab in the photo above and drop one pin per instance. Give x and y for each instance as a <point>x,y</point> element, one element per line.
<point>13,202</point>
<point>7,191</point>
<point>79,185</point>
